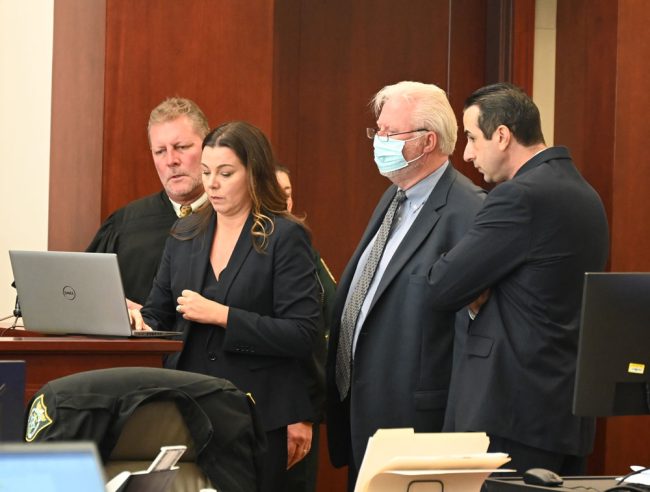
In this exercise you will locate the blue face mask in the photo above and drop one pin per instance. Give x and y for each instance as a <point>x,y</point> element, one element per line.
<point>388,155</point>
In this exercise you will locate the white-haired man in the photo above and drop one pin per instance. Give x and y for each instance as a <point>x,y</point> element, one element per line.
<point>390,351</point>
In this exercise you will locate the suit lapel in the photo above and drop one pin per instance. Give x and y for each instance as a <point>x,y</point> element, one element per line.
<point>242,249</point>
<point>199,260</point>
<point>368,234</point>
<point>418,233</point>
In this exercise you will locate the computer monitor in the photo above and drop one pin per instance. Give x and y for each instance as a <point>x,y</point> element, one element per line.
<point>51,467</point>
<point>12,396</point>
<point>613,367</point>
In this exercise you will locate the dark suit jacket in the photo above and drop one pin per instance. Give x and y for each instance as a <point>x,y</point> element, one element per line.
<point>137,233</point>
<point>402,361</point>
<point>271,323</point>
<point>532,242</point>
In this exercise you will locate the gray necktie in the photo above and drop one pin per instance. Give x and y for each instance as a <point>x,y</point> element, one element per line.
<point>353,306</point>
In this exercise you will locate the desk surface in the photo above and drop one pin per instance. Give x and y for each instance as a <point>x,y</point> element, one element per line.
<point>30,344</point>
<point>52,357</point>
<point>571,484</point>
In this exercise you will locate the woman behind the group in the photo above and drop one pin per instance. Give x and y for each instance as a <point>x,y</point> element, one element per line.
<point>239,281</point>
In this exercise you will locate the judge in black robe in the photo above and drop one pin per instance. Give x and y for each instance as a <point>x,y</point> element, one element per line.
<point>137,233</point>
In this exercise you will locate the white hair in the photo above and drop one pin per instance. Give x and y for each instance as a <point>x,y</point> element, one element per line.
<point>432,110</point>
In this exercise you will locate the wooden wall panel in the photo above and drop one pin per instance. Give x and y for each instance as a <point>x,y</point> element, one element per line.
<point>286,82</point>
<point>585,81</point>
<point>217,52</point>
<point>467,68</point>
<point>600,113</point>
<point>628,438</point>
<point>76,135</point>
<point>631,207</point>
<point>523,44</point>
<point>510,42</point>
<point>350,50</point>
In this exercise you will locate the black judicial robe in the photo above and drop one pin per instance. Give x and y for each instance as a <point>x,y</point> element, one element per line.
<point>137,233</point>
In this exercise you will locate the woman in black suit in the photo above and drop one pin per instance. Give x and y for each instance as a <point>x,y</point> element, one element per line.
<point>238,280</point>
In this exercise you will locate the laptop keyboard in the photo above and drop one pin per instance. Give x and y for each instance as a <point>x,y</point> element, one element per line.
<point>154,333</point>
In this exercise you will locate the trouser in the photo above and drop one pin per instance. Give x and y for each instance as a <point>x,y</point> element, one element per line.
<point>526,457</point>
<point>274,462</point>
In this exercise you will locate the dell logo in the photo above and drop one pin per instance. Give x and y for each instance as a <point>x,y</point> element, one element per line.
<point>69,293</point>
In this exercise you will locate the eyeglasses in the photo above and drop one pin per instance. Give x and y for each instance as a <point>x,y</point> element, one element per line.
<point>371,133</point>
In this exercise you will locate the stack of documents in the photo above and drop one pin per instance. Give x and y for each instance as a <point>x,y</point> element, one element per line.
<point>400,460</point>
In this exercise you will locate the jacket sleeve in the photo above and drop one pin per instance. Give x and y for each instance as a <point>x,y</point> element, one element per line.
<point>497,243</point>
<point>159,312</point>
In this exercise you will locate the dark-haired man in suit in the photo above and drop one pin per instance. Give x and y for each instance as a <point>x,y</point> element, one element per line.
<point>390,352</point>
<point>541,228</point>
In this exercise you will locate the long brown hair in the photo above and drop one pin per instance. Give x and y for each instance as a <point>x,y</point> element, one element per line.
<point>268,200</point>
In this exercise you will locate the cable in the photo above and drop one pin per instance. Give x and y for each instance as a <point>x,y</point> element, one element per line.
<point>629,488</point>
<point>632,473</point>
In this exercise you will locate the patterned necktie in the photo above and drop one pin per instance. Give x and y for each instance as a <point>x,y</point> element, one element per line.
<point>353,306</point>
<point>185,211</point>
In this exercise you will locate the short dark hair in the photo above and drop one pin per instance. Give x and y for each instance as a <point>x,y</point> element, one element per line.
<point>507,104</point>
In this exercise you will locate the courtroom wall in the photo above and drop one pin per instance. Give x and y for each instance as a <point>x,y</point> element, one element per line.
<point>602,102</point>
<point>25,102</point>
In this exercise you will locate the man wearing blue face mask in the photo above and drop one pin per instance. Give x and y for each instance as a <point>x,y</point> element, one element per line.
<point>390,351</point>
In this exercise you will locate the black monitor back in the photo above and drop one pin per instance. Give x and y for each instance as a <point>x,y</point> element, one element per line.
<point>613,369</point>
<point>12,396</point>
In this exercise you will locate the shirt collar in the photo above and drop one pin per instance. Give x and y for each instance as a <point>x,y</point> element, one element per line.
<point>417,194</point>
<point>195,204</point>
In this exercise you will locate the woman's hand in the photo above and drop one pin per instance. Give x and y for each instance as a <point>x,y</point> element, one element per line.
<point>298,442</point>
<point>137,323</point>
<point>132,304</point>
<point>194,307</point>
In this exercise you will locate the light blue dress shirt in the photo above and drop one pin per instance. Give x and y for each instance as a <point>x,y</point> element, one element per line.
<point>416,196</point>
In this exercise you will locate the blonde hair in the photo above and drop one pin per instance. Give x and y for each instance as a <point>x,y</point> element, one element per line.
<point>175,107</point>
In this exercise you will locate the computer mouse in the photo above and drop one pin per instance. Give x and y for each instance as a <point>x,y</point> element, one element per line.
<point>543,477</point>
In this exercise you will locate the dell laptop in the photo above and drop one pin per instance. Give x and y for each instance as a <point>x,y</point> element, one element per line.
<point>73,293</point>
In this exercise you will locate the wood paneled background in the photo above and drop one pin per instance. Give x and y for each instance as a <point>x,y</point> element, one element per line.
<point>304,72</point>
<point>602,102</point>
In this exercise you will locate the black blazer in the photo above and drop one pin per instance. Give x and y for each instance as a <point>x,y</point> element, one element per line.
<point>271,322</point>
<point>403,356</point>
<point>532,242</point>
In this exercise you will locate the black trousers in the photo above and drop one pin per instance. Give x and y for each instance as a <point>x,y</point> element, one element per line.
<point>274,462</point>
<point>526,457</point>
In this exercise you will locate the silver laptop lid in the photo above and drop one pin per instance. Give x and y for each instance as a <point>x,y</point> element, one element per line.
<point>56,467</point>
<point>68,292</point>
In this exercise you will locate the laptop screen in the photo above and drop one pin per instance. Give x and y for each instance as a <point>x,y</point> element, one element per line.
<point>50,467</point>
